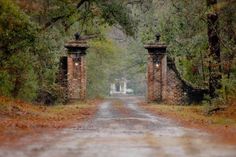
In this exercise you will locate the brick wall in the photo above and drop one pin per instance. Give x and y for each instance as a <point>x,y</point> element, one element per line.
<point>150,79</point>
<point>174,88</point>
<point>165,84</point>
<point>76,77</point>
<point>157,78</point>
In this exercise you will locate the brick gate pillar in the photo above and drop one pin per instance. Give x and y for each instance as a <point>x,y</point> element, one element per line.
<point>156,71</point>
<point>76,70</point>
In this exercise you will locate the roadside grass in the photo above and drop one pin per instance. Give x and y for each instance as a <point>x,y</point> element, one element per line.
<point>18,118</point>
<point>222,123</point>
<point>196,113</point>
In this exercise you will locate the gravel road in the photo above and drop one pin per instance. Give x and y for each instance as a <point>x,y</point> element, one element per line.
<point>122,130</point>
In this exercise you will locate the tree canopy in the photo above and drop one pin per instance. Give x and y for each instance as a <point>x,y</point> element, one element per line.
<point>33,33</point>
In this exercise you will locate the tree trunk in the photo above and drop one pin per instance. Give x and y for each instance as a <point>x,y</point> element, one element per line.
<point>214,49</point>
<point>232,37</point>
<point>17,85</point>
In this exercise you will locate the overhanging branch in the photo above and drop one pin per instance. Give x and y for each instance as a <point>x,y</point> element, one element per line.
<point>56,19</point>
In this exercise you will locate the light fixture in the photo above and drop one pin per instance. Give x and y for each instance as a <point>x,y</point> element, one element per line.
<point>158,63</point>
<point>76,63</point>
<point>76,60</point>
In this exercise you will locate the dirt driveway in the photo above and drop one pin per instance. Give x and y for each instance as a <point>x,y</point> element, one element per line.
<point>122,130</point>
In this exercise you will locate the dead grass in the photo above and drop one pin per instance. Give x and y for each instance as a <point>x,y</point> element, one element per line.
<point>221,123</point>
<point>119,107</point>
<point>18,118</point>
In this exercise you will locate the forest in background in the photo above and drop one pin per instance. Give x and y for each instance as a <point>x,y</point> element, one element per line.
<point>33,34</point>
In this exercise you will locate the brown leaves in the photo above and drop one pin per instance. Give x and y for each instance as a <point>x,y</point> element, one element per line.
<point>20,118</point>
<point>222,123</point>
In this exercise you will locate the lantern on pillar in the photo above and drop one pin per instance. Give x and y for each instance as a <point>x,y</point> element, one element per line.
<point>157,70</point>
<point>157,63</point>
<point>76,71</point>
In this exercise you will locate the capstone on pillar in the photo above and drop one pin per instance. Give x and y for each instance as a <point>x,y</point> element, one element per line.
<point>76,68</point>
<point>156,71</point>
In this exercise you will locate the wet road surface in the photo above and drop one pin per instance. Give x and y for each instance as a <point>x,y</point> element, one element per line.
<point>123,131</point>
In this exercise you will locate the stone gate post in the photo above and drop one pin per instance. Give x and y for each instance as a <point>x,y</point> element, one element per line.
<point>76,70</point>
<point>156,71</point>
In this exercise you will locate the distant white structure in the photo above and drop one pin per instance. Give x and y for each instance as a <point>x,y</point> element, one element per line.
<point>119,87</point>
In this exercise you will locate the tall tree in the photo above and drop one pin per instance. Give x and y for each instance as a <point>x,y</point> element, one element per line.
<point>214,48</point>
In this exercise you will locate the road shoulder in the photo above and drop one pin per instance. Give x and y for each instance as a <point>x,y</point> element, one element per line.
<point>221,124</point>
<point>19,119</point>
